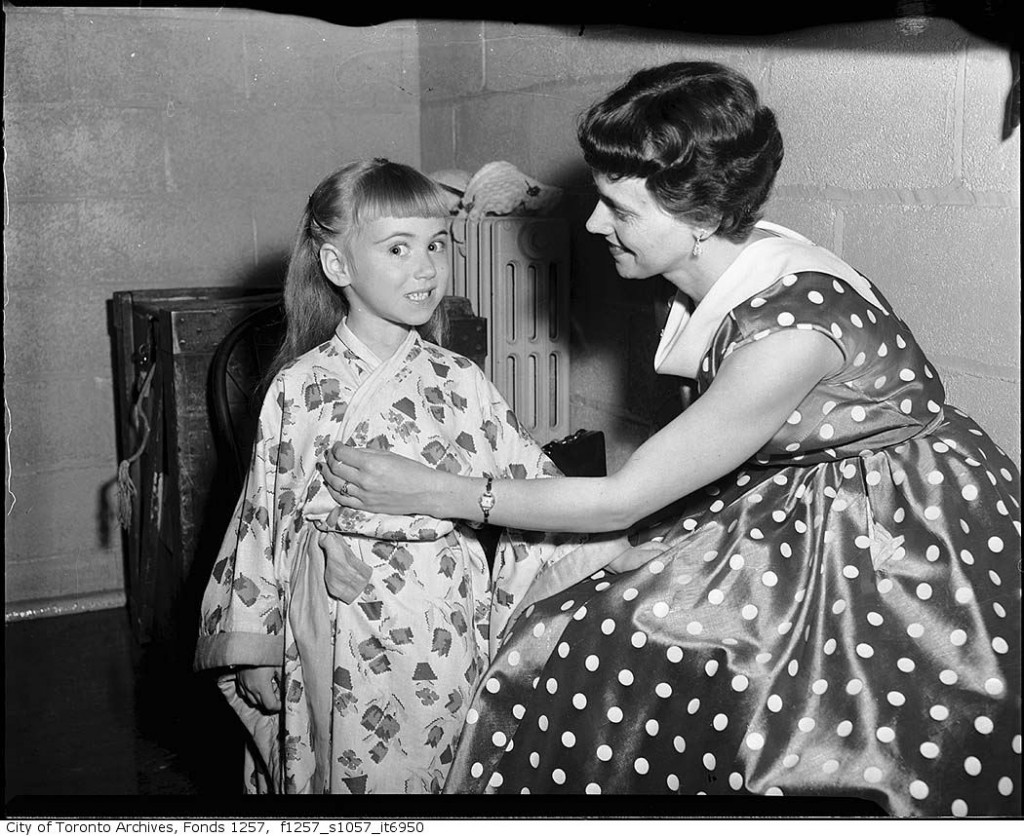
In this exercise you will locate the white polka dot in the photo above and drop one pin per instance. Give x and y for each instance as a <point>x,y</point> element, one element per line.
<point>518,711</point>
<point>865,650</point>
<point>1015,743</point>
<point>829,647</point>
<point>663,690</point>
<point>660,609</point>
<point>819,687</point>
<point>563,649</point>
<point>844,729</point>
<point>716,596</point>
<point>656,567</point>
<point>542,722</point>
<point>826,431</point>
<point>859,359</point>
<point>472,716</point>
<point>580,614</point>
<point>958,808</point>
<point>995,544</point>
<point>774,703</point>
<point>534,760</point>
<point>786,550</point>
<point>601,587</point>
<point>994,686</point>
<point>679,743</point>
<point>749,612</point>
<point>593,789</point>
<point>551,685</point>
<point>499,738</point>
<point>880,381</point>
<point>885,734</point>
<point>709,761</point>
<point>755,741</point>
<point>790,760</point>
<point>604,752</point>
<point>568,739</point>
<point>740,682</point>
<point>906,665</point>
<point>963,595</point>
<point>983,725</point>
<point>720,722</point>
<point>615,714</point>
<point>476,770</point>
<point>694,628</point>
<point>672,782</point>
<point>851,572</point>
<point>608,626</point>
<point>854,687</point>
<point>493,685</point>
<point>558,776</point>
<point>630,594</point>
<point>539,629</point>
<point>919,790</point>
<point>929,750</point>
<point>692,706</point>
<point>830,766</point>
<point>1005,785</point>
<point>967,557</point>
<point>757,302</point>
<point>948,677</point>
<point>626,676</point>
<point>939,712</point>
<point>735,781</point>
<point>923,591</point>
<point>674,654</point>
<point>972,766</point>
<point>785,319</point>
<point>711,667</point>
<point>793,667</point>
<point>932,512</point>
<point>895,698</point>
<point>495,780</point>
<point>579,701</point>
<point>592,662</point>
<point>958,638</point>
<point>872,774</point>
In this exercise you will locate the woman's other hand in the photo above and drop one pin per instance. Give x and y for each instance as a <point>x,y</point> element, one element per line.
<point>378,481</point>
<point>260,687</point>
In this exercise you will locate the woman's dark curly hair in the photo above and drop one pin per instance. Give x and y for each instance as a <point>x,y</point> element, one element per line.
<point>696,132</point>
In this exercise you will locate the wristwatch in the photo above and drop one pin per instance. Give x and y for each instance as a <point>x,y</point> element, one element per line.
<point>487,499</point>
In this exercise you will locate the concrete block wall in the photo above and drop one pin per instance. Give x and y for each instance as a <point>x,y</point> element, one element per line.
<point>152,148</point>
<point>894,159</point>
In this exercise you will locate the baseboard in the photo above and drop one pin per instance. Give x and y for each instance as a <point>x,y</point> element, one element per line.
<point>70,605</point>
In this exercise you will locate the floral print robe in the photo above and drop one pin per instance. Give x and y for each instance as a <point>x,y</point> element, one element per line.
<point>374,691</point>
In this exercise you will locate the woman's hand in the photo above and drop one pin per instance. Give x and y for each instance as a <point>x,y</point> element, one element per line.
<point>381,482</point>
<point>260,687</point>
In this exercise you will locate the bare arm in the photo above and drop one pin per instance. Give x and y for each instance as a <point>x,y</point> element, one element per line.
<point>755,391</point>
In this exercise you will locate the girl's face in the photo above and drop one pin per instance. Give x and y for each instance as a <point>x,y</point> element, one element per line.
<point>394,272</point>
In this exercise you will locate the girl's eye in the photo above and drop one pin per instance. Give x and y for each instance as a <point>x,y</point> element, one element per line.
<point>438,246</point>
<point>397,249</point>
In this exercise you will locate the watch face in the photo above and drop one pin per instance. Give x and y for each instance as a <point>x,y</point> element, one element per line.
<point>487,502</point>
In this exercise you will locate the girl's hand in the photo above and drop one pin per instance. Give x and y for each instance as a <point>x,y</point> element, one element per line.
<point>260,687</point>
<point>381,482</point>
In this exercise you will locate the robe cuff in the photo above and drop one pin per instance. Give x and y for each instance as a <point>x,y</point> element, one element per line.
<point>227,649</point>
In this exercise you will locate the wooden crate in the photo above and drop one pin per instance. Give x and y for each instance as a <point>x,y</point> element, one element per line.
<point>186,489</point>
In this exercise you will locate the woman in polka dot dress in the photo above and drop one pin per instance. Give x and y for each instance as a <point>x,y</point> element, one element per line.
<point>833,607</point>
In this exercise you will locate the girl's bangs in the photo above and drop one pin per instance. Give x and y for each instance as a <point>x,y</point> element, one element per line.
<point>399,199</point>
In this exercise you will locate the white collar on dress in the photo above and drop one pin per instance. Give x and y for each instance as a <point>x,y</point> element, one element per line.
<point>687,334</point>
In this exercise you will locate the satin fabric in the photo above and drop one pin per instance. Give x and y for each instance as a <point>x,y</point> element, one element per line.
<point>838,618</point>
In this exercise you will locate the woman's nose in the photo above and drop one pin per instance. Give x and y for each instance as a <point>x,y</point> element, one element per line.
<point>597,223</point>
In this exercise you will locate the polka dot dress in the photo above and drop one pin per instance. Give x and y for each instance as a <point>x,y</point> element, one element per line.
<point>839,618</point>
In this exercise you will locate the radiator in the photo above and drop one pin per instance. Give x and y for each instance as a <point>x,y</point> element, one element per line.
<point>515,272</point>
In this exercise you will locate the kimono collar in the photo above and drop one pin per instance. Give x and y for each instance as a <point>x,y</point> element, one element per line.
<point>687,334</point>
<point>363,351</point>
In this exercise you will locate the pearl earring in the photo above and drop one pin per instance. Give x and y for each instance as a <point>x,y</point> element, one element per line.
<point>698,243</point>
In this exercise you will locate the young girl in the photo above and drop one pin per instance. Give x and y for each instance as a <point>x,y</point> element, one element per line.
<point>353,641</point>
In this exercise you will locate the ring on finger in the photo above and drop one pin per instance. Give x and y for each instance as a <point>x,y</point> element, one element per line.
<point>344,488</point>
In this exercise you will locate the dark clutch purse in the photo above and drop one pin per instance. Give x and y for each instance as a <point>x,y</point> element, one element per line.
<point>579,454</point>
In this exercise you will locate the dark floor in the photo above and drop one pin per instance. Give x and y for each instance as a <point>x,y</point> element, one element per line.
<point>91,712</point>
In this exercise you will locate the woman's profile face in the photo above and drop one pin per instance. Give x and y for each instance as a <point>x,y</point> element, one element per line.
<point>644,239</point>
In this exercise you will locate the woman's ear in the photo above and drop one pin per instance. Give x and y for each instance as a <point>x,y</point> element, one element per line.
<point>335,265</point>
